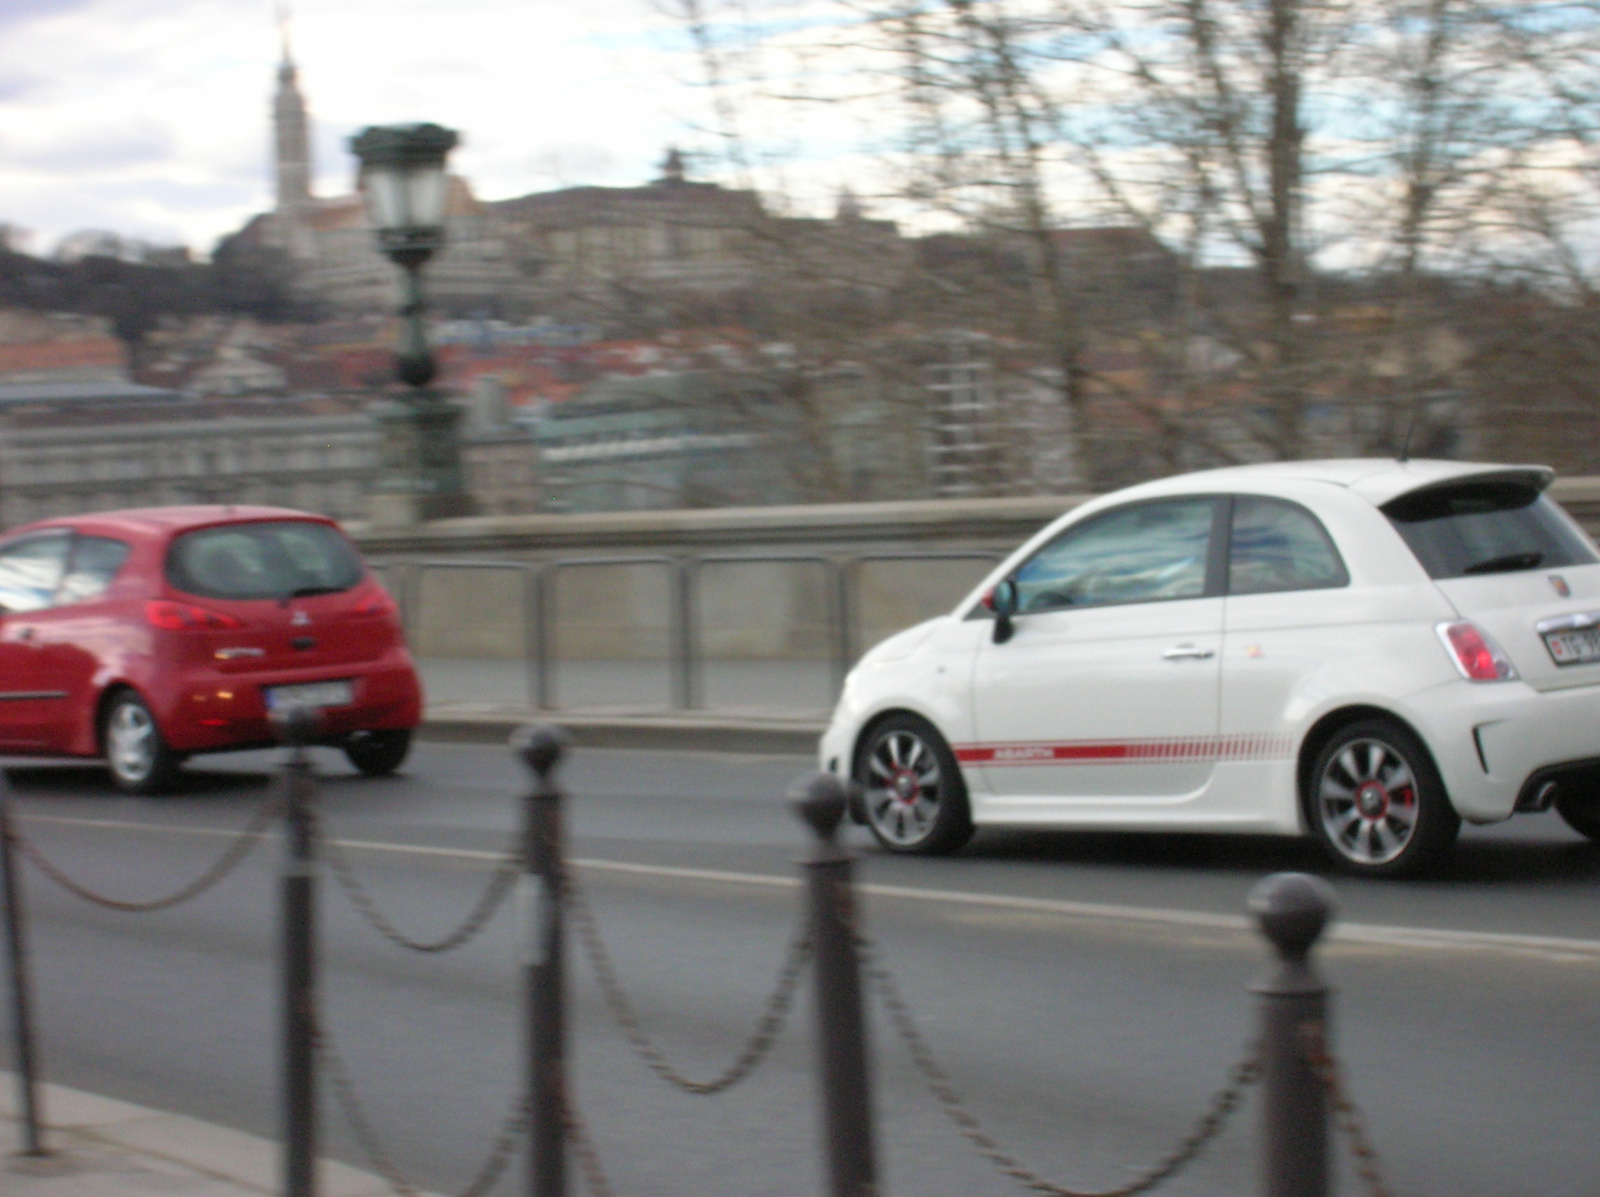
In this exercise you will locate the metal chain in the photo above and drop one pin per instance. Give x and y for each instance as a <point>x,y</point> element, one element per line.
<point>1345,1111</point>
<point>594,1176</point>
<point>500,884</point>
<point>512,1127</point>
<point>230,859</point>
<point>761,1040</point>
<point>1210,1124</point>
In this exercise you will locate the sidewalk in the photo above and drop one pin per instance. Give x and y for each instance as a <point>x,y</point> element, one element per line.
<point>592,727</point>
<point>103,1148</point>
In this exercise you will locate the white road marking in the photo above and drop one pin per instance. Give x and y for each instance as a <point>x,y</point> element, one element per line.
<point>1361,934</point>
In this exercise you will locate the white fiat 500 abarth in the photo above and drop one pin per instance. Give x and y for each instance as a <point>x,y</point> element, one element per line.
<point>1368,651</point>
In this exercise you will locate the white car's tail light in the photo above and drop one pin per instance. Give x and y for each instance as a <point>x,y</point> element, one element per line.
<point>1475,653</point>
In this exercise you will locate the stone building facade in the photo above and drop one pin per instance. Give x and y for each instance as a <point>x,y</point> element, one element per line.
<point>331,246</point>
<point>613,253</point>
<point>57,461</point>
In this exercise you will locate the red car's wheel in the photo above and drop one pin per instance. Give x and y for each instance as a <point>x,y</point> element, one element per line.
<point>135,752</point>
<point>378,753</point>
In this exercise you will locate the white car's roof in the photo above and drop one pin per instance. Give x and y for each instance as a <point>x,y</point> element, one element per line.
<point>1377,479</point>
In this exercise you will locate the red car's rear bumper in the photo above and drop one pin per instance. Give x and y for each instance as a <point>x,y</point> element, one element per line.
<point>208,711</point>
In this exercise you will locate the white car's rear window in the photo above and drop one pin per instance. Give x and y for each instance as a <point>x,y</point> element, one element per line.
<point>1489,527</point>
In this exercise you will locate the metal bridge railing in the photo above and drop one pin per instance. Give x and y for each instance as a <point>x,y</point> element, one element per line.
<point>662,636</point>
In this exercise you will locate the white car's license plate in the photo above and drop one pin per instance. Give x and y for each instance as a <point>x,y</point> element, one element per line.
<point>1578,646</point>
<point>311,694</point>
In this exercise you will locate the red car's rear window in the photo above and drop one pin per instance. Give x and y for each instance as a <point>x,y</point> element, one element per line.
<point>270,559</point>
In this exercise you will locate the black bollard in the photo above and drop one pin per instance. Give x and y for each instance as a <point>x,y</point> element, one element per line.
<point>539,898</point>
<point>1293,909</point>
<point>297,727</point>
<point>841,1031</point>
<point>21,996</point>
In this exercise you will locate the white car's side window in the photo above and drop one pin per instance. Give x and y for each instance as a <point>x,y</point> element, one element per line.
<point>1278,546</point>
<point>1146,552</point>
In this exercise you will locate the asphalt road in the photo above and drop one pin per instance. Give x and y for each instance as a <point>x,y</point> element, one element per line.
<point>1084,993</point>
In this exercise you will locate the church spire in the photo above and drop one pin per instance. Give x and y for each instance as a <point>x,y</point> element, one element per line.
<point>291,128</point>
<point>283,33</point>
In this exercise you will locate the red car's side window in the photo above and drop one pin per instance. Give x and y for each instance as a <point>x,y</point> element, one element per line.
<point>30,571</point>
<point>94,562</point>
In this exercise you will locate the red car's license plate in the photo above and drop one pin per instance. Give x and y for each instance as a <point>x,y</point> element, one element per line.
<point>310,694</point>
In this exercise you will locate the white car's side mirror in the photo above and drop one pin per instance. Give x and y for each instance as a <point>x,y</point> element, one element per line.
<point>1002,600</point>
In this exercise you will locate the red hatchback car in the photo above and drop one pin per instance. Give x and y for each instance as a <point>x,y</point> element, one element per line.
<point>146,636</point>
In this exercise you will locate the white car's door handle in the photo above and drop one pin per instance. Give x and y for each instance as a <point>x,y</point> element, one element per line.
<point>1186,652</point>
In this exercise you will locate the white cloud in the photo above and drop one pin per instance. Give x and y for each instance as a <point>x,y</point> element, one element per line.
<point>151,117</point>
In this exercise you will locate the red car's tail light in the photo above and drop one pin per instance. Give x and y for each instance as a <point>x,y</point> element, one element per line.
<point>1475,653</point>
<point>378,603</point>
<point>186,617</point>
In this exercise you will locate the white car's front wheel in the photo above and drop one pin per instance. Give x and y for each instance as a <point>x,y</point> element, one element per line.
<point>912,790</point>
<point>1377,802</point>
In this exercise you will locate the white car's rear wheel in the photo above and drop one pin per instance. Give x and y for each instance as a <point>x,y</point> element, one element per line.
<point>1378,804</point>
<point>912,788</point>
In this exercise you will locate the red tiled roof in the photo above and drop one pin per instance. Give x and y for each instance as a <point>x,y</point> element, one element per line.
<point>76,354</point>
<point>345,212</point>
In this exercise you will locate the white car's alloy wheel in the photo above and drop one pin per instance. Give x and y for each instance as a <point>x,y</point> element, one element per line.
<point>1377,800</point>
<point>914,796</point>
<point>903,788</point>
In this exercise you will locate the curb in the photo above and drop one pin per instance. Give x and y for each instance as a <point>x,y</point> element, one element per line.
<point>651,733</point>
<point>100,1147</point>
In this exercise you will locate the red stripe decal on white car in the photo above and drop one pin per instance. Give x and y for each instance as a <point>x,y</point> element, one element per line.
<point>1109,752</point>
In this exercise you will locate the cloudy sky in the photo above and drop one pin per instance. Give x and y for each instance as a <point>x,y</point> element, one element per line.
<point>150,118</point>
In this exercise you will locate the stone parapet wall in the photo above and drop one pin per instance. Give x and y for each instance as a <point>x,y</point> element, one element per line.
<point>993,524</point>
<point>1581,497</point>
<point>741,584</point>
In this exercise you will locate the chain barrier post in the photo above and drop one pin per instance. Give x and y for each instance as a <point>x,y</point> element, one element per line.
<point>21,996</point>
<point>820,801</point>
<point>1292,910</point>
<point>297,727</point>
<point>540,901</point>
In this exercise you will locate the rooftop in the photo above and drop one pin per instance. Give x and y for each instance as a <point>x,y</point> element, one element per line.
<point>85,392</point>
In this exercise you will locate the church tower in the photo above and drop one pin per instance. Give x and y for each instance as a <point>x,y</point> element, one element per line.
<point>292,144</point>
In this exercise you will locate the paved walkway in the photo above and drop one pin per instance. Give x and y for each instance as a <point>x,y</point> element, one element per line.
<point>97,1147</point>
<point>771,689</point>
<point>592,727</point>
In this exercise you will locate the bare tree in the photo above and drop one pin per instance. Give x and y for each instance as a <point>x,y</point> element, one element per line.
<point>1342,190</point>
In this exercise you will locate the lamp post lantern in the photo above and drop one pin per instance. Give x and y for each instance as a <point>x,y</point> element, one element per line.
<point>403,179</point>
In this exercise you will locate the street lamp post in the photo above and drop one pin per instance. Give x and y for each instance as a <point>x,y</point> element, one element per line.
<point>404,181</point>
